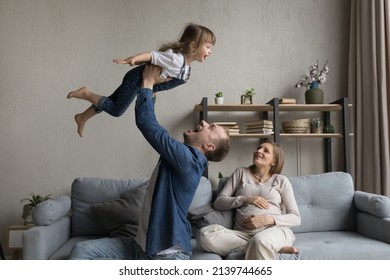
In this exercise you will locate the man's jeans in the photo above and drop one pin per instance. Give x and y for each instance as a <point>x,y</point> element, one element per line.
<point>117,249</point>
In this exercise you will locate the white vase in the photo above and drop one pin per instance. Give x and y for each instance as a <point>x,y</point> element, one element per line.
<point>218,100</point>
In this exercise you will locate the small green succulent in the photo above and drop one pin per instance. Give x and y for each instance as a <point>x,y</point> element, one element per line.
<point>249,92</point>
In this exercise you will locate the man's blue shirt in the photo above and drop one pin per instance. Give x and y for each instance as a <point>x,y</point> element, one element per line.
<point>180,168</point>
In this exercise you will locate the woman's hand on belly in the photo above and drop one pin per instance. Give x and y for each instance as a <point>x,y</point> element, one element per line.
<point>257,201</point>
<point>257,221</point>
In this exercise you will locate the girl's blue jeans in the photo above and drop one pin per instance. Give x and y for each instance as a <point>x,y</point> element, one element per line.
<point>118,102</point>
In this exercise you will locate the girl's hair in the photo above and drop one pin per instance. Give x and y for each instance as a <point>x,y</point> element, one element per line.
<point>278,157</point>
<point>192,33</point>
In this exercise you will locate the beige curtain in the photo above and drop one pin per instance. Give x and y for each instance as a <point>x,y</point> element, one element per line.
<point>368,91</point>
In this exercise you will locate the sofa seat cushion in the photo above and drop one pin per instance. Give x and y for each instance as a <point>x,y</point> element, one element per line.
<point>333,245</point>
<point>338,245</point>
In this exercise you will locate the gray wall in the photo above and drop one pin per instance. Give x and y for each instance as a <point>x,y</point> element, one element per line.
<point>50,47</point>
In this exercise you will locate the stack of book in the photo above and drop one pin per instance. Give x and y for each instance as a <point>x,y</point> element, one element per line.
<point>232,127</point>
<point>286,100</point>
<point>259,126</point>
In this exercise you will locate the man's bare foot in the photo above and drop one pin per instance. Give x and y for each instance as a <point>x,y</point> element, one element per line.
<point>81,93</point>
<point>288,250</point>
<point>80,123</point>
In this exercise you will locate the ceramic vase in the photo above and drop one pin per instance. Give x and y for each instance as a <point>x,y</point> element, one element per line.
<point>27,215</point>
<point>218,100</point>
<point>314,95</point>
<point>246,99</point>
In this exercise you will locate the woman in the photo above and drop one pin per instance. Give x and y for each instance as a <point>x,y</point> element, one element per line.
<point>265,209</point>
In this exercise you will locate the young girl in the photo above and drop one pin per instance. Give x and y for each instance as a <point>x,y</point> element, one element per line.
<point>175,59</point>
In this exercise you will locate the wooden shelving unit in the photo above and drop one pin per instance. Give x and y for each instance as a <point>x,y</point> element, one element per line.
<point>339,106</point>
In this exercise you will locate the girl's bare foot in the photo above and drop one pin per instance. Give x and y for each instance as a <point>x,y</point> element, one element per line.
<point>288,250</point>
<point>82,118</point>
<point>80,123</point>
<point>81,93</point>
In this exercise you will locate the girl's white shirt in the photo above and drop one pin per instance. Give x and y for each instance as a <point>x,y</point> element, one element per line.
<point>172,64</point>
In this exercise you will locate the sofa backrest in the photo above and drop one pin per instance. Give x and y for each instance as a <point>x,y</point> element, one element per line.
<point>88,191</point>
<point>325,202</point>
<point>103,192</point>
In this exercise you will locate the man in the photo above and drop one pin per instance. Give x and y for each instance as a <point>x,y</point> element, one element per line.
<point>163,230</point>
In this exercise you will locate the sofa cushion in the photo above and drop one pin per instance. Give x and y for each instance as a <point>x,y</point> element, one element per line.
<point>221,184</point>
<point>206,215</point>
<point>120,216</point>
<point>49,211</point>
<point>374,204</point>
<point>203,194</point>
<point>338,245</point>
<point>224,218</point>
<point>89,190</point>
<point>332,245</point>
<point>325,202</point>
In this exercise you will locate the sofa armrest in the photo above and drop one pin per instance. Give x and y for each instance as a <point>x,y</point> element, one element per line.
<point>373,215</point>
<point>373,226</point>
<point>374,204</point>
<point>40,242</point>
<point>49,211</point>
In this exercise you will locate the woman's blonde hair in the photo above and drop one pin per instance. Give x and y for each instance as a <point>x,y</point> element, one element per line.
<point>192,33</point>
<point>279,159</point>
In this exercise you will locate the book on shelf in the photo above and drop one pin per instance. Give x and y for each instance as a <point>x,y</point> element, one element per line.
<point>226,124</point>
<point>260,131</point>
<point>258,122</point>
<point>268,131</point>
<point>232,127</point>
<point>260,126</point>
<point>286,100</point>
<point>234,131</point>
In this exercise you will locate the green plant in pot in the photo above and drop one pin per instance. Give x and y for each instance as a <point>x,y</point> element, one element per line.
<point>33,201</point>
<point>247,97</point>
<point>219,98</point>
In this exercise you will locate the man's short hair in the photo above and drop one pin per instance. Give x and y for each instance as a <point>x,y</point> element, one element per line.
<point>222,149</point>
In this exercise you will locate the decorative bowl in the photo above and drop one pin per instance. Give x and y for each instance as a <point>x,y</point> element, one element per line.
<point>296,126</point>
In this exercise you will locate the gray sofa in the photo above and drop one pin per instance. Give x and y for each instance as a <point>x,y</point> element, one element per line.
<point>338,223</point>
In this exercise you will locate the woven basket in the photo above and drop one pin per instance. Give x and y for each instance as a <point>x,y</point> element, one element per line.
<point>296,126</point>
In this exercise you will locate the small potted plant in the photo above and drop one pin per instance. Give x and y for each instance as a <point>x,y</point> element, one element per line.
<point>219,98</point>
<point>316,126</point>
<point>247,97</point>
<point>32,203</point>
